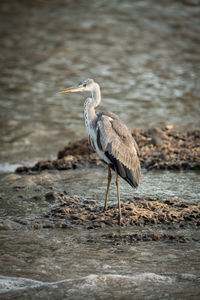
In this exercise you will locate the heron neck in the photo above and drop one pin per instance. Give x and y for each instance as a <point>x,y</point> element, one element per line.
<point>96,95</point>
<point>90,104</point>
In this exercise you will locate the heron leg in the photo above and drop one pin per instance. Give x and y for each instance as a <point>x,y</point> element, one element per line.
<point>118,197</point>
<point>108,187</point>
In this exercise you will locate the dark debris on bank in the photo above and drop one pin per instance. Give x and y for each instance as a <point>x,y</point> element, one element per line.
<point>158,149</point>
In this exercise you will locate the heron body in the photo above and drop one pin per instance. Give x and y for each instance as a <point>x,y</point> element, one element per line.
<point>111,139</point>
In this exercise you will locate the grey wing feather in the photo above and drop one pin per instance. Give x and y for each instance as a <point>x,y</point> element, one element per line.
<point>119,146</point>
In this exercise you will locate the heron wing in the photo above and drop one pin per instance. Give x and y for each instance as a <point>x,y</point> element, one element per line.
<point>119,146</point>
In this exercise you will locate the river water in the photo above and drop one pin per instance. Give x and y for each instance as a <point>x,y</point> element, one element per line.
<point>146,57</point>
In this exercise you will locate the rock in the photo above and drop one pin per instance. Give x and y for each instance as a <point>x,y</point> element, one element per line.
<point>69,158</point>
<point>157,141</point>
<point>11,177</point>
<point>50,196</point>
<point>9,258</point>
<point>9,225</point>
<point>37,198</point>
<point>169,127</point>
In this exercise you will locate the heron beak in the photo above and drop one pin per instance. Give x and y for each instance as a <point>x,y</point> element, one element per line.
<point>72,89</point>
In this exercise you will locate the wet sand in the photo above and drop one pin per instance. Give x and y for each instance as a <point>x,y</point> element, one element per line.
<point>159,149</point>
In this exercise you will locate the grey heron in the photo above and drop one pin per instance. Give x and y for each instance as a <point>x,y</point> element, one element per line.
<point>111,139</point>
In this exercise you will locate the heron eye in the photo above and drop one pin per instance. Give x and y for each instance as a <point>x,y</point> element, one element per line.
<point>84,85</point>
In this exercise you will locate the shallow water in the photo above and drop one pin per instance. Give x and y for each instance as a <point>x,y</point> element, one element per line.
<point>90,183</point>
<point>102,270</point>
<point>145,55</point>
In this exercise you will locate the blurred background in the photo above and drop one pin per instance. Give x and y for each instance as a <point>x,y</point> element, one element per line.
<point>144,54</point>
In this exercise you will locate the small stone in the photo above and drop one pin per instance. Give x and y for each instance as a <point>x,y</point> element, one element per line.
<point>48,226</point>
<point>11,177</point>
<point>51,196</point>
<point>157,141</point>
<point>36,198</point>
<point>75,217</point>
<point>7,257</point>
<point>63,225</point>
<point>102,225</point>
<point>36,226</point>
<point>68,158</point>
<point>169,127</point>
<point>9,225</point>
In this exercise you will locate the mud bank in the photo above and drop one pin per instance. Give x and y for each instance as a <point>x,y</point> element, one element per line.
<point>137,211</point>
<point>159,149</point>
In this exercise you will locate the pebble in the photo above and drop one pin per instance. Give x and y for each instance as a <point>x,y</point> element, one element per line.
<point>11,177</point>
<point>8,257</point>
<point>9,225</point>
<point>50,196</point>
<point>169,127</point>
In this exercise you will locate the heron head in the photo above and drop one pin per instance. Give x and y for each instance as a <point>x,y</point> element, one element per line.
<point>84,85</point>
